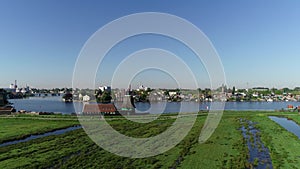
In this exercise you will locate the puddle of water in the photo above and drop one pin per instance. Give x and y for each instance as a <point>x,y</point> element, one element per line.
<point>259,154</point>
<point>289,125</point>
<point>56,132</point>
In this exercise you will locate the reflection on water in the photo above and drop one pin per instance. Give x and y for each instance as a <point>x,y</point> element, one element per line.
<point>259,155</point>
<point>289,125</point>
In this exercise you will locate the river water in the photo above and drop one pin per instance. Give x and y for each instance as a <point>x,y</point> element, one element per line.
<point>55,104</point>
<point>259,154</point>
<point>289,125</point>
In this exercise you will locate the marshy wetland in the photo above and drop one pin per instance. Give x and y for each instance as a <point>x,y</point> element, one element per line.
<point>243,139</point>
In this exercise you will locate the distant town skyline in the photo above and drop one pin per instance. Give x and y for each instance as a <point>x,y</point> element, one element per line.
<point>257,41</point>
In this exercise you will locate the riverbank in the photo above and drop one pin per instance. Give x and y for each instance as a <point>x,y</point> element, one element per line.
<point>226,148</point>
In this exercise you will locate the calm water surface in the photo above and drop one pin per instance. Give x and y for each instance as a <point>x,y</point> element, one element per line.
<point>257,150</point>
<point>55,104</point>
<point>289,125</point>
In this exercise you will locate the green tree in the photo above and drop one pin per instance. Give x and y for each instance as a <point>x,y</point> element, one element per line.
<point>105,97</point>
<point>286,90</point>
<point>297,88</point>
<point>206,92</point>
<point>233,90</point>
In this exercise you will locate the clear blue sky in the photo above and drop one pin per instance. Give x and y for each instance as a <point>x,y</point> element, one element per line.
<point>257,41</point>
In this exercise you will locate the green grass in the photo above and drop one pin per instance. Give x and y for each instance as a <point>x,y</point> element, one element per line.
<point>294,117</point>
<point>76,150</point>
<point>283,145</point>
<point>12,128</point>
<point>224,149</point>
<point>44,152</point>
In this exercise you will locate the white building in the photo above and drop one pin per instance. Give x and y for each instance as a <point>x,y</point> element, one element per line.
<point>86,98</point>
<point>23,90</point>
<point>80,96</point>
<point>142,87</point>
<point>172,93</point>
<point>105,88</point>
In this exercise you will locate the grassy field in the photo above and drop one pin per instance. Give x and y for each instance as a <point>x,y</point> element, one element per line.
<point>294,117</point>
<point>17,127</point>
<point>226,148</point>
<point>283,145</point>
